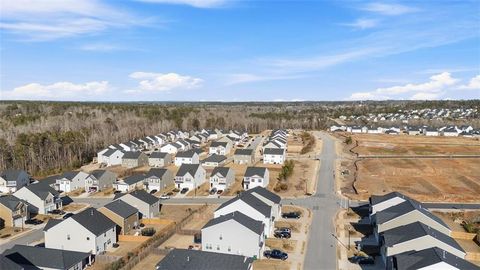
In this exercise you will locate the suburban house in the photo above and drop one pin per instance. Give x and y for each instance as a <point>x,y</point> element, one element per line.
<point>214,160</point>
<point>158,179</point>
<point>269,198</point>
<point>430,258</point>
<point>31,257</point>
<point>147,204</point>
<point>13,212</point>
<point>40,198</point>
<point>171,148</point>
<point>111,157</point>
<point>234,233</point>
<point>130,183</point>
<point>273,156</point>
<point>134,159</point>
<point>250,205</point>
<point>414,130</point>
<point>190,176</point>
<point>100,180</point>
<point>273,144</point>
<point>123,214</point>
<point>220,148</point>
<point>222,177</point>
<point>87,231</point>
<point>417,236</point>
<point>255,177</point>
<point>70,181</point>
<point>244,156</point>
<point>12,180</point>
<point>186,157</point>
<point>450,132</point>
<point>429,131</point>
<point>159,159</point>
<point>190,259</point>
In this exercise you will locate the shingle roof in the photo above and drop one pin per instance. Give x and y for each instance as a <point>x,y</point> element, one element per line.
<point>132,155</point>
<point>11,174</point>
<point>274,151</point>
<point>41,257</point>
<point>415,230</point>
<point>10,201</point>
<point>133,179</point>
<point>110,152</point>
<point>158,155</point>
<point>186,154</point>
<point>188,168</point>
<point>251,200</point>
<point>6,263</point>
<point>158,172</point>
<point>374,199</point>
<point>215,158</point>
<point>223,171</point>
<point>94,221</point>
<point>248,222</point>
<point>144,196</point>
<point>185,259</point>
<point>427,257</point>
<point>255,171</point>
<point>217,144</point>
<point>42,191</point>
<point>51,223</point>
<point>121,208</point>
<point>243,152</point>
<point>265,193</point>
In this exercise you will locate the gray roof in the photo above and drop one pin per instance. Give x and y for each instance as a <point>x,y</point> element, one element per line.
<point>274,151</point>
<point>121,208</point>
<point>375,199</point>
<point>133,179</point>
<point>69,175</point>
<point>243,152</point>
<point>265,193</point>
<point>186,154</point>
<point>403,208</point>
<point>158,172</point>
<point>158,155</point>
<point>110,152</point>
<point>141,195</point>
<point>94,221</point>
<point>217,144</point>
<point>416,230</point>
<point>100,173</point>
<point>248,222</point>
<point>189,259</point>
<point>51,223</point>
<point>427,257</point>
<point>132,155</point>
<point>6,263</point>
<point>223,171</point>
<point>40,257</point>
<point>215,158</point>
<point>188,168</point>
<point>11,174</point>
<point>251,200</point>
<point>42,191</point>
<point>10,201</point>
<point>255,171</point>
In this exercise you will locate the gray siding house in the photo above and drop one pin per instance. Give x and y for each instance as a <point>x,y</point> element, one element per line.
<point>147,204</point>
<point>100,180</point>
<point>134,159</point>
<point>244,156</point>
<point>41,198</point>
<point>222,178</point>
<point>158,179</point>
<point>159,159</point>
<point>12,180</point>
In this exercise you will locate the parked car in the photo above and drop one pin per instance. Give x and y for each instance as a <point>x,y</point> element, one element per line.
<point>282,235</point>
<point>213,191</point>
<point>170,193</point>
<point>294,214</point>
<point>284,229</point>
<point>184,190</point>
<point>56,212</point>
<point>358,259</point>
<point>117,191</point>
<point>153,191</point>
<point>275,254</point>
<point>219,191</point>
<point>33,221</point>
<point>67,215</point>
<point>366,260</point>
<point>164,197</point>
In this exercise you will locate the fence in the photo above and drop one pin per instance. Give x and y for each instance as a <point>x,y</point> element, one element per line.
<point>157,221</point>
<point>463,235</point>
<point>133,238</point>
<point>188,232</point>
<point>103,258</point>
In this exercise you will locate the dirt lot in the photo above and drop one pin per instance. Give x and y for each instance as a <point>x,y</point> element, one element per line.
<point>266,264</point>
<point>176,212</point>
<point>74,207</point>
<point>149,262</point>
<point>123,248</point>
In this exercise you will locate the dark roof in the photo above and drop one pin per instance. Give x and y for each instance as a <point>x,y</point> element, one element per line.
<point>189,259</point>
<point>248,222</point>
<point>121,208</point>
<point>99,173</point>
<point>69,175</point>
<point>10,201</point>
<point>133,179</point>
<point>11,174</point>
<point>94,221</point>
<point>274,151</point>
<point>251,200</point>
<point>188,168</point>
<point>6,263</point>
<point>223,171</point>
<point>186,154</point>
<point>217,144</point>
<point>198,150</point>
<point>132,155</point>
<point>403,208</point>
<point>253,171</point>
<point>243,152</point>
<point>110,152</point>
<point>215,158</point>
<point>144,196</point>
<point>42,191</point>
<point>375,199</point>
<point>51,223</point>
<point>415,230</point>
<point>158,172</point>
<point>158,155</point>
<point>427,257</point>
<point>41,257</point>
<point>265,193</point>
<point>50,180</point>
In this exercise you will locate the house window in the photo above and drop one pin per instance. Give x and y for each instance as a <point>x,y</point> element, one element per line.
<point>221,237</point>
<point>229,249</point>
<point>68,236</point>
<point>88,238</point>
<point>218,247</point>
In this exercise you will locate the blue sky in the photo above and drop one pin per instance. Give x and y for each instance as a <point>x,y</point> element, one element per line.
<point>218,50</point>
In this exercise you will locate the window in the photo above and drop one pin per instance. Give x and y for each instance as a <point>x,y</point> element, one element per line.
<point>88,238</point>
<point>218,247</point>
<point>221,237</point>
<point>68,236</point>
<point>229,249</point>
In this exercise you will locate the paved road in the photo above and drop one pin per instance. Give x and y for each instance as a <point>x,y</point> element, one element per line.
<point>33,236</point>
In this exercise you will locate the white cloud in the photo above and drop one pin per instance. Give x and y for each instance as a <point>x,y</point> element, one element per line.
<point>100,47</point>
<point>363,23</point>
<point>58,91</point>
<point>473,84</point>
<point>239,78</point>
<point>193,3</point>
<point>432,89</point>
<point>150,81</point>
<point>388,9</point>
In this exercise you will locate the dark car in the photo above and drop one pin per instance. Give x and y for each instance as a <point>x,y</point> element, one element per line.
<point>358,259</point>
<point>219,191</point>
<point>33,221</point>
<point>275,254</point>
<point>117,191</point>
<point>295,215</point>
<point>284,229</point>
<point>366,260</point>
<point>184,190</point>
<point>282,235</point>
<point>67,215</point>
<point>56,212</point>
<point>213,191</point>
<point>153,191</point>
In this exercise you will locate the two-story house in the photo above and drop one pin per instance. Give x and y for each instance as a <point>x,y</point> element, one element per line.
<point>41,198</point>
<point>147,204</point>
<point>190,176</point>
<point>123,214</point>
<point>255,177</point>
<point>159,159</point>
<point>12,180</point>
<point>13,212</point>
<point>273,156</point>
<point>158,179</point>
<point>222,178</point>
<point>186,157</point>
<point>220,148</point>
<point>100,180</point>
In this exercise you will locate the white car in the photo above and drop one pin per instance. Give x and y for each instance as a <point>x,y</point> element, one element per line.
<point>164,197</point>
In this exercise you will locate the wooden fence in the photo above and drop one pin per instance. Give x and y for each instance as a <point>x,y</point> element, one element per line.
<point>133,238</point>
<point>103,258</point>
<point>156,221</point>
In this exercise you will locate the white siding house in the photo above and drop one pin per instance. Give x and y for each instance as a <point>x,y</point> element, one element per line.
<point>273,156</point>
<point>187,157</point>
<point>222,178</point>
<point>190,176</point>
<point>256,177</point>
